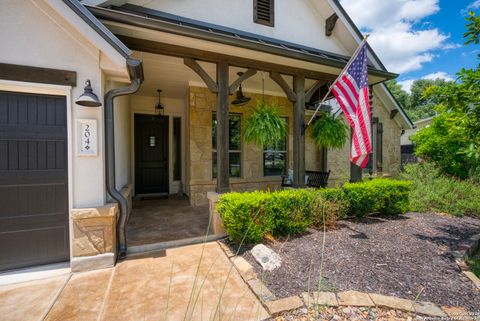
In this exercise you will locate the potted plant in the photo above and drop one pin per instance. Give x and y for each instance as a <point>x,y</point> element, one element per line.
<point>264,125</point>
<point>329,132</point>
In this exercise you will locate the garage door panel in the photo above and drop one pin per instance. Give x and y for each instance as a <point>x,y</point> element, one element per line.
<point>31,247</point>
<point>33,180</point>
<point>32,200</point>
<point>32,154</point>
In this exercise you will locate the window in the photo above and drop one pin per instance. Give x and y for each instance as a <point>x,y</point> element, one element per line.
<point>177,150</point>
<point>275,157</point>
<point>234,149</point>
<point>263,12</point>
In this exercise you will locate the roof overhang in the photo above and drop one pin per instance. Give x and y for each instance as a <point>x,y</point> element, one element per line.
<point>137,21</point>
<point>75,19</point>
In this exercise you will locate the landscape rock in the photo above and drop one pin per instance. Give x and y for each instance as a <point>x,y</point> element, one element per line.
<point>392,302</point>
<point>268,259</point>
<point>244,268</point>
<point>354,298</point>
<point>429,308</point>
<point>286,304</point>
<point>320,298</point>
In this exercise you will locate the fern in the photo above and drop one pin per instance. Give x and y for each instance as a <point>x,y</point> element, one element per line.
<point>329,132</point>
<point>264,125</point>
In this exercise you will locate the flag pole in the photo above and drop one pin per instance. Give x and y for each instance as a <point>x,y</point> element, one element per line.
<point>330,87</point>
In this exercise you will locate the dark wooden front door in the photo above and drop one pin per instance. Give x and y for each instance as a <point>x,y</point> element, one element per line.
<point>151,154</point>
<point>33,180</point>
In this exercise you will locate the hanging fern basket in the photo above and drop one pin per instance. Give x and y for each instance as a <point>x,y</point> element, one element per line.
<point>329,132</point>
<point>265,125</point>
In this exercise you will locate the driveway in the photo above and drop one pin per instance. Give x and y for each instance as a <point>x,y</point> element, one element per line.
<point>156,286</point>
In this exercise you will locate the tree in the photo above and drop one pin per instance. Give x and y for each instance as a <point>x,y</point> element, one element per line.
<point>453,138</point>
<point>398,92</point>
<point>416,104</point>
<point>422,106</point>
<point>473,29</point>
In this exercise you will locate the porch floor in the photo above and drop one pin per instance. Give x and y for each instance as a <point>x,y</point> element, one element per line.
<point>165,219</point>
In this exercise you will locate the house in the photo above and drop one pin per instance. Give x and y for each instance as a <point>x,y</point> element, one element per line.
<point>166,73</point>
<point>407,145</point>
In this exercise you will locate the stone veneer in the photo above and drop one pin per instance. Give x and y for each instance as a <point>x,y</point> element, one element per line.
<point>202,103</point>
<point>338,160</point>
<point>94,230</point>
<point>94,239</point>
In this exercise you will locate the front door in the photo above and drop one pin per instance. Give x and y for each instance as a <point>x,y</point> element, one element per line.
<point>151,154</point>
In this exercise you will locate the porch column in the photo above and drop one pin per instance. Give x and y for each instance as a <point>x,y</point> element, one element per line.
<point>298,132</point>
<point>223,172</point>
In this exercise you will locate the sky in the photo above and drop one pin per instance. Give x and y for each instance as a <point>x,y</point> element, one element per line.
<point>417,38</point>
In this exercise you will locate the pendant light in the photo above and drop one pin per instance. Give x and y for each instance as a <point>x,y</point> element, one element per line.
<point>241,99</point>
<point>159,109</point>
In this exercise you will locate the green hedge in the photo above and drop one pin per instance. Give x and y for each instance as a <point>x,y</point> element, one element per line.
<point>249,216</point>
<point>384,196</point>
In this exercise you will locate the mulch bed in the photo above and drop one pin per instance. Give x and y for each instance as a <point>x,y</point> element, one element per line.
<point>407,256</point>
<point>346,313</point>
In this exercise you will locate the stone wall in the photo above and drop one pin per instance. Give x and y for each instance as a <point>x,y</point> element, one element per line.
<point>94,230</point>
<point>338,160</point>
<point>202,104</point>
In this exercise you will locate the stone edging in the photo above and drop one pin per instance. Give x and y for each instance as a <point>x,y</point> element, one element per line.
<point>461,255</point>
<point>347,298</point>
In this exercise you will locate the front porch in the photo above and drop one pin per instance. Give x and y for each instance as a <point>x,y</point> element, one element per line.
<point>155,220</point>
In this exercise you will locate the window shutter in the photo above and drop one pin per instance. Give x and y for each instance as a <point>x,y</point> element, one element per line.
<point>263,12</point>
<point>379,147</point>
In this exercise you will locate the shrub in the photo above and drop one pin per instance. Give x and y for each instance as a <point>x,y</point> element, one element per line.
<point>384,196</point>
<point>432,191</point>
<point>248,217</point>
<point>324,212</point>
<point>292,210</point>
<point>245,216</point>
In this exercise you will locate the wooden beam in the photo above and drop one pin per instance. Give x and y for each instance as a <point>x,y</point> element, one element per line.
<point>330,24</point>
<point>223,168</point>
<point>313,89</point>
<point>247,74</point>
<point>179,51</point>
<point>193,64</point>
<point>38,75</point>
<point>298,132</point>
<point>283,84</point>
<point>393,113</point>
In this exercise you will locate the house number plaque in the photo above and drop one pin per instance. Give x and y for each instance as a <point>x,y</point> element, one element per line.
<point>87,137</point>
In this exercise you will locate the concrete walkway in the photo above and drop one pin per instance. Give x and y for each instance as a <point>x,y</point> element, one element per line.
<point>150,287</point>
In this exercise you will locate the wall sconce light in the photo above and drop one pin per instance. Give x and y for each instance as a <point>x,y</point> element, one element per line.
<point>159,109</point>
<point>88,98</point>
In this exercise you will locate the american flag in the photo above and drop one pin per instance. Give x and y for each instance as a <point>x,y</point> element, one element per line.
<point>351,91</point>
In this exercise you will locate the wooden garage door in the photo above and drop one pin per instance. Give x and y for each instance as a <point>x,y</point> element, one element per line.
<point>33,180</point>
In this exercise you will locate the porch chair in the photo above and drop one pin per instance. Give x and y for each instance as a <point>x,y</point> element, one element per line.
<point>315,179</point>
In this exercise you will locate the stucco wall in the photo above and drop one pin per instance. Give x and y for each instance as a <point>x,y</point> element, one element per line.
<point>201,106</point>
<point>294,19</point>
<point>31,37</point>
<point>338,160</point>
<point>122,139</point>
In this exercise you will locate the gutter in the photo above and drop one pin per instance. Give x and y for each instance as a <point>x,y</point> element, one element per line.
<point>135,70</point>
<point>96,25</point>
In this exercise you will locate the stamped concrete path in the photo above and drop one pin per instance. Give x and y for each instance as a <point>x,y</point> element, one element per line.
<point>150,287</point>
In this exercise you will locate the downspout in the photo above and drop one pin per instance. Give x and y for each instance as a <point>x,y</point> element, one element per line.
<point>135,71</point>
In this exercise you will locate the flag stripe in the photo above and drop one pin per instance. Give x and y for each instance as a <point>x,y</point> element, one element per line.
<point>352,93</point>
